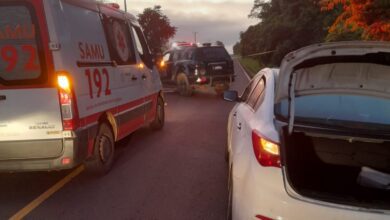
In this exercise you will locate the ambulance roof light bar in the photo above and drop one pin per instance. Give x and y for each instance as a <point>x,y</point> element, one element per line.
<point>113,5</point>
<point>182,44</point>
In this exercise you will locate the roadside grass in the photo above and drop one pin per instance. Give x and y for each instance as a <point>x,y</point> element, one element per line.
<point>251,66</point>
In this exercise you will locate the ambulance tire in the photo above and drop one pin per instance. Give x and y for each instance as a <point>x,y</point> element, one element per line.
<point>103,152</point>
<point>183,85</point>
<point>159,120</point>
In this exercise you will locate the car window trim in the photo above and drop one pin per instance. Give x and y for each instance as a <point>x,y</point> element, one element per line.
<point>261,97</point>
<point>254,107</point>
<point>147,56</point>
<point>247,87</point>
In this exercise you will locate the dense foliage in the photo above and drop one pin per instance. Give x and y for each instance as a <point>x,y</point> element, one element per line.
<point>286,25</point>
<point>157,28</point>
<point>366,19</point>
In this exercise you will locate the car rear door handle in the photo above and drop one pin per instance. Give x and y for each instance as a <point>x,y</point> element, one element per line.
<point>134,78</point>
<point>3,97</point>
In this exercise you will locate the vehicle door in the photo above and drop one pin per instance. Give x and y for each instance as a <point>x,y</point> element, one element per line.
<point>29,107</point>
<point>245,117</point>
<point>150,80</point>
<point>128,79</point>
<point>176,63</point>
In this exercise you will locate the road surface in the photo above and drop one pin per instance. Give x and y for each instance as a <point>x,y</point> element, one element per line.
<point>176,173</point>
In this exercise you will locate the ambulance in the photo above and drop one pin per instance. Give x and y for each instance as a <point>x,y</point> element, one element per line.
<point>76,76</point>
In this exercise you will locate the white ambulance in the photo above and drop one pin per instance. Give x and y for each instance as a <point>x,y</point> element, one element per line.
<point>76,76</point>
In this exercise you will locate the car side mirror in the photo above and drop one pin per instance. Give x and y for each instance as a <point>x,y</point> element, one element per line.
<point>231,96</point>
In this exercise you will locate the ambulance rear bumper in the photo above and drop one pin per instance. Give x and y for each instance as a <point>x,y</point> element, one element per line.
<point>72,154</point>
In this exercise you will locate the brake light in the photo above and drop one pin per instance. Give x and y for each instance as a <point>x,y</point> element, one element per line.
<point>201,79</point>
<point>66,101</point>
<point>266,152</point>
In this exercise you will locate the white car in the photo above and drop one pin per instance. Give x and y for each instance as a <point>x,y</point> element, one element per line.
<point>312,140</point>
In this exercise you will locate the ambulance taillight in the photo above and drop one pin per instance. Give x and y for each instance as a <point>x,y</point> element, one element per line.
<point>66,101</point>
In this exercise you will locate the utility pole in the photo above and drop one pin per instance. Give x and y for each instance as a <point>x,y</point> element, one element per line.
<point>195,33</point>
<point>125,5</point>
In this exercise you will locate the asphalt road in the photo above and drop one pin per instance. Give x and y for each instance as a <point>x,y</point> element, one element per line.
<point>176,173</point>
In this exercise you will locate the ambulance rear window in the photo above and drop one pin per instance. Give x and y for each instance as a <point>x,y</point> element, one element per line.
<point>19,57</point>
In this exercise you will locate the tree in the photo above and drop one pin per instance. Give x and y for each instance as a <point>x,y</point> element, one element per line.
<point>157,28</point>
<point>364,19</point>
<point>237,48</point>
<point>284,26</point>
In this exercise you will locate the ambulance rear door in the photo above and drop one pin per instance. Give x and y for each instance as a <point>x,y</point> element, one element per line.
<point>29,105</point>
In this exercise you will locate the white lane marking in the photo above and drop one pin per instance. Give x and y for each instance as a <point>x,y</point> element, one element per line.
<point>243,70</point>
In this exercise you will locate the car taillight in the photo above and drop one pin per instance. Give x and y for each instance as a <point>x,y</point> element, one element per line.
<point>66,101</point>
<point>266,152</point>
<point>201,80</point>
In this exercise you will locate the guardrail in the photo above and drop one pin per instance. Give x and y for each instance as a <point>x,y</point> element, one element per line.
<point>257,54</point>
<point>260,54</point>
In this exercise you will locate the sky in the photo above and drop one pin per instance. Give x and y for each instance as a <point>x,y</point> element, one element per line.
<point>212,19</point>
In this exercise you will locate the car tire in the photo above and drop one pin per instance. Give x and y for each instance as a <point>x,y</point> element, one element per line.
<point>159,120</point>
<point>103,152</point>
<point>183,85</point>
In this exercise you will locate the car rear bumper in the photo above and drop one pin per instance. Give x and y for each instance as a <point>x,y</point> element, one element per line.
<point>72,153</point>
<point>263,193</point>
<point>213,80</point>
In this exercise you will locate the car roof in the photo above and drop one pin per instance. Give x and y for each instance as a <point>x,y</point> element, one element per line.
<point>191,48</point>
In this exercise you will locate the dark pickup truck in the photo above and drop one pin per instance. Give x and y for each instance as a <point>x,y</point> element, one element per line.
<point>194,67</point>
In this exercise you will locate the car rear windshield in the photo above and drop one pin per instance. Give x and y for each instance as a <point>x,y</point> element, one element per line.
<point>351,111</point>
<point>19,57</point>
<point>213,53</point>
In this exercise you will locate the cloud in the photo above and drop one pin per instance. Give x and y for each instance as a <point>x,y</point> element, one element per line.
<point>212,19</point>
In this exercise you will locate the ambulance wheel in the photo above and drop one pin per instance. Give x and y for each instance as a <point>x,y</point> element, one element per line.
<point>103,152</point>
<point>183,85</point>
<point>159,120</point>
